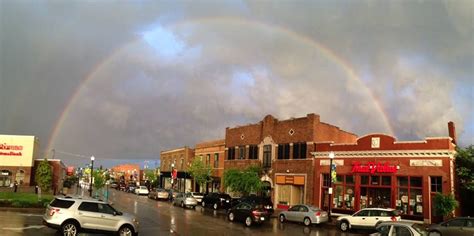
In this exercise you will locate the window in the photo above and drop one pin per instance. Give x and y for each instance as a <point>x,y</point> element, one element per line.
<point>216,160</point>
<point>364,180</point>
<point>326,180</point>
<point>182,164</point>
<point>105,208</point>
<point>362,213</point>
<point>455,223</point>
<point>242,152</point>
<point>231,153</point>
<point>410,195</point>
<point>61,203</point>
<point>88,206</point>
<point>267,156</point>
<point>400,231</point>
<point>344,192</point>
<point>284,151</point>
<point>253,152</point>
<point>208,159</point>
<point>436,184</point>
<point>299,151</point>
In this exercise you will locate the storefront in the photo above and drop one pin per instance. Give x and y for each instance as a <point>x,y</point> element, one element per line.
<point>378,171</point>
<point>17,154</point>
<point>290,190</point>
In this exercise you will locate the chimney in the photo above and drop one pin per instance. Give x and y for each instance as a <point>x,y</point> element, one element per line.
<point>452,131</point>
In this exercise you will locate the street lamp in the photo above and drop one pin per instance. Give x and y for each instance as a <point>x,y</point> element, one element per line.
<point>331,157</point>
<point>92,172</point>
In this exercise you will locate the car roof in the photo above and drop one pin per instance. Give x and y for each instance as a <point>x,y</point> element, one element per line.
<point>379,209</point>
<point>81,198</point>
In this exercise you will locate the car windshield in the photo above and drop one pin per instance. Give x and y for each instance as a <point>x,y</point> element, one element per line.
<point>420,229</point>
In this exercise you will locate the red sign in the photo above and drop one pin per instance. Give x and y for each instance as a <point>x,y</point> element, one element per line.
<point>10,150</point>
<point>372,167</point>
<point>174,174</point>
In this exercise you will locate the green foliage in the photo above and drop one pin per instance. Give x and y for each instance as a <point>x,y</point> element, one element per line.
<point>11,199</point>
<point>44,175</point>
<point>70,181</point>
<point>444,204</point>
<point>151,175</point>
<point>200,172</point>
<point>243,181</point>
<point>465,167</point>
<point>99,179</point>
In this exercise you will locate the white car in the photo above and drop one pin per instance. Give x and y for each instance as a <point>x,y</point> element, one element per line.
<point>142,190</point>
<point>367,218</point>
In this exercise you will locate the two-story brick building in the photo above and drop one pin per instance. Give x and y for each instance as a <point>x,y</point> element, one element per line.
<point>282,149</point>
<point>378,171</point>
<point>213,155</point>
<point>126,172</point>
<point>173,167</point>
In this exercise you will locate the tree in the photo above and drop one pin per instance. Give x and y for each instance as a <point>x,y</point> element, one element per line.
<point>44,175</point>
<point>99,179</point>
<point>200,172</point>
<point>243,181</point>
<point>444,204</point>
<point>465,167</point>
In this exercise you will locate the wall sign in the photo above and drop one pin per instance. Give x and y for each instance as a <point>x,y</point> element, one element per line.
<point>10,150</point>
<point>373,167</point>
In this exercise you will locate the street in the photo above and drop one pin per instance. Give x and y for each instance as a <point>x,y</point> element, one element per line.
<point>162,218</point>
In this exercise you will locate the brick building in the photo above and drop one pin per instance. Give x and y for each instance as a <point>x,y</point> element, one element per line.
<point>282,149</point>
<point>378,171</point>
<point>176,160</point>
<point>213,155</point>
<point>59,173</point>
<point>126,172</point>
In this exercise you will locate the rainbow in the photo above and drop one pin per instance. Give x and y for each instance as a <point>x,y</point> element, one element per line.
<point>241,22</point>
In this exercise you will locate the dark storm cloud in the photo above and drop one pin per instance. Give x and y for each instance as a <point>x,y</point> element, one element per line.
<point>184,83</point>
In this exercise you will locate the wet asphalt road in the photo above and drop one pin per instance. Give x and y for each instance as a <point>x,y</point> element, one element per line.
<point>161,218</point>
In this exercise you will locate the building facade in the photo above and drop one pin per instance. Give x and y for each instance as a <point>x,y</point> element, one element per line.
<point>173,168</point>
<point>212,153</point>
<point>378,171</point>
<point>282,149</point>
<point>126,173</point>
<point>17,155</point>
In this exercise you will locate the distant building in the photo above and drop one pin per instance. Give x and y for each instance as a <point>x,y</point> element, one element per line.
<point>126,172</point>
<point>212,153</point>
<point>17,155</point>
<point>173,167</point>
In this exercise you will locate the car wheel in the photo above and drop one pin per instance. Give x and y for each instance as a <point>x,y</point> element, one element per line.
<point>434,233</point>
<point>248,221</point>
<point>69,229</point>
<point>282,218</point>
<point>344,226</point>
<point>215,206</point>
<point>231,216</point>
<point>125,231</point>
<point>182,204</point>
<point>307,221</point>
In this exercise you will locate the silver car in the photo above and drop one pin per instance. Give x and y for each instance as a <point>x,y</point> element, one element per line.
<point>400,228</point>
<point>159,194</point>
<point>305,214</point>
<point>460,226</point>
<point>70,215</point>
<point>198,196</point>
<point>185,200</point>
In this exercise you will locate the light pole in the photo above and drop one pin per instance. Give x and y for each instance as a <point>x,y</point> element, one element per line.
<point>92,172</point>
<point>331,157</point>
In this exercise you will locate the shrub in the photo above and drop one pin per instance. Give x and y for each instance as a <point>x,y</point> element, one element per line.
<point>444,204</point>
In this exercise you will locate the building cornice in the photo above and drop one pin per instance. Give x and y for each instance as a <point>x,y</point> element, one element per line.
<point>388,154</point>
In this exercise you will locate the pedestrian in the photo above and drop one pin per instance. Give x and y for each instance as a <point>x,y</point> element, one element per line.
<point>15,186</point>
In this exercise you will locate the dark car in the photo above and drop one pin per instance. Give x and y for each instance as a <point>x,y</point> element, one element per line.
<point>265,201</point>
<point>459,226</point>
<point>249,213</point>
<point>217,200</point>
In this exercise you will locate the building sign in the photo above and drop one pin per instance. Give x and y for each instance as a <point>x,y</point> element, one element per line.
<point>290,179</point>
<point>10,150</point>
<point>373,167</point>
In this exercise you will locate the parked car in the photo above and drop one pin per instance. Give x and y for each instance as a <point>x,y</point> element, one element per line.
<point>248,213</point>
<point>265,201</point>
<point>159,194</point>
<point>198,196</point>
<point>114,185</point>
<point>130,189</point>
<point>305,214</point>
<point>457,226</point>
<point>71,215</point>
<point>142,190</point>
<point>216,201</point>
<point>185,200</point>
<point>401,228</point>
<point>367,218</point>
<point>172,194</point>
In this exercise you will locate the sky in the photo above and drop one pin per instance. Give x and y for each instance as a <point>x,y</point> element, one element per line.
<point>124,80</point>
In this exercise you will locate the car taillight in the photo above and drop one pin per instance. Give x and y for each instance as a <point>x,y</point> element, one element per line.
<point>255,213</point>
<point>317,213</point>
<point>393,218</point>
<point>52,211</point>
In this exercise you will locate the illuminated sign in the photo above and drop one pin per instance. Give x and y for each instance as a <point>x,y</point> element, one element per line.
<point>373,167</point>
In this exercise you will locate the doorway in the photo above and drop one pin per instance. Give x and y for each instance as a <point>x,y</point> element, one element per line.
<point>376,197</point>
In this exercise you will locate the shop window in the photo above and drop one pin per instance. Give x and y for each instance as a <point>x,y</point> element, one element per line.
<point>436,184</point>
<point>241,152</point>
<point>253,152</point>
<point>349,179</point>
<point>283,194</point>
<point>364,180</point>
<point>284,151</point>
<point>344,192</point>
<point>231,153</point>
<point>387,180</point>
<point>339,179</point>
<point>410,197</point>
<point>20,177</point>
<point>375,180</point>
<point>326,180</point>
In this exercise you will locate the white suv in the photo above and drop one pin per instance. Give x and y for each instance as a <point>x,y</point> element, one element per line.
<point>71,215</point>
<point>367,218</point>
